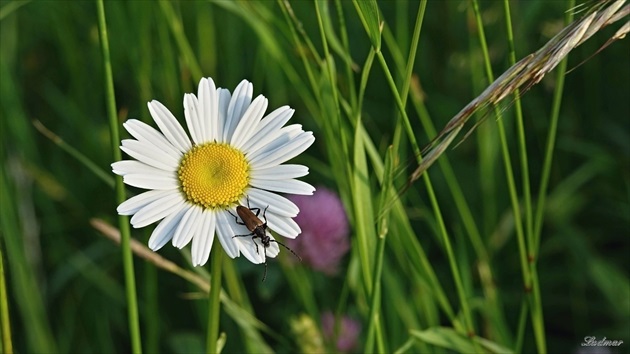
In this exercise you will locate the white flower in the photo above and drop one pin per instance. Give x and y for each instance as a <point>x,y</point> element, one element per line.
<point>234,154</point>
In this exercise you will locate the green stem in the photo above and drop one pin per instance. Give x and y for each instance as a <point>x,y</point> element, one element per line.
<point>375,305</point>
<point>551,140</point>
<point>529,223</point>
<point>346,45</point>
<point>434,203</point>
<point>401,106</point>
<point>406,85</point>
<point>530,280</point>
<point>331,76</point>
<point>374,318</point>
<point>522,322</point>
<point>123,223</point>
<point>522,144</point>
<point>538,320</point>
<point>7,344</point>
<point>537,315</point>
<point>215,291</point>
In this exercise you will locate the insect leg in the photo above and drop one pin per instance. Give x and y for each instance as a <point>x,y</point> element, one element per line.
<point>250,234</point>
<point>236,218</point>
<point>265,212</point>
<point>252,209</point>
<point>265,274</point>
<point>253,237</point>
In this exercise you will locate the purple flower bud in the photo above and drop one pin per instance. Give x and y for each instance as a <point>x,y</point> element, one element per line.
<point>324,239</point>
<point>347,333</point>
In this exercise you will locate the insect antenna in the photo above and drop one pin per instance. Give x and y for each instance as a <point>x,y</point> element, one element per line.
<point>285,246</point>
<point>265,253</point>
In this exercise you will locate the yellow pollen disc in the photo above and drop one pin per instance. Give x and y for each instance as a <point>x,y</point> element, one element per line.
<point>213,175</point>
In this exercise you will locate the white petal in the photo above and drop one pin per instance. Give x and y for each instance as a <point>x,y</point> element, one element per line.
<point>145,133</point>
<point>249,123</point>
<point>169,126</point>
<point>277,204</point>
<point>135,203</point>
<point>268,129</point>
<point>151,181</point>
<point>280,172</point>
<point>249,250</point>
<point>284,226</point>
<point>241,99</point>
<point>291,186</point>
<point>275,140</point>
<point>284,153</point>
<point>145,153</point>
<point>224,102</point>
<point>191,112</point>
<point>208,109</point>
<point>187,227</point>
<point>126,167</point>
<point>165,229</point>
<point>157,209</point>
<point>225,233</point>
<point>202,242</point>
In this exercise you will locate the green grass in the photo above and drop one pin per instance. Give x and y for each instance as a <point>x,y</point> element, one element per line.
<point>549,180</point>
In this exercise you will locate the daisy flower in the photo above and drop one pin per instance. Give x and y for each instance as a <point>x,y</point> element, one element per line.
<point>194,182</point>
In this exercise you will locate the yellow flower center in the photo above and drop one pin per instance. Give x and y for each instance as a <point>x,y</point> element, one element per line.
<point>213,175</point>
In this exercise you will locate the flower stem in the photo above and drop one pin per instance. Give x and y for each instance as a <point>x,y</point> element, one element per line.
<point>213,306</point>
<point>127,257</point>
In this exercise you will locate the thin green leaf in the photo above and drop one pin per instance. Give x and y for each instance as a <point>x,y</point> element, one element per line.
<point>331,36</point>
<point>364,216</point>
<point>368,12</point>
<point>445,337</point>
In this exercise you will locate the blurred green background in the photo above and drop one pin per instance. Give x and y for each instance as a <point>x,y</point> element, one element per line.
<point>64,281</point>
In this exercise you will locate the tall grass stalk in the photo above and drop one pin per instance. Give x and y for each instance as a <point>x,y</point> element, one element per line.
<point>5,322</point>
<point>551,143</point>
<point>76,154</point>
<point>463,297</point>
<point>534,239</point>
<point>529,286</point>
<point>522,141</point>
<point>484,268</point>
<point>431,268</point>
<point>123,222</point>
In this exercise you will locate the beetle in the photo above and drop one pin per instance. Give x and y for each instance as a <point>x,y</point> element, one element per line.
<point>257,228</point>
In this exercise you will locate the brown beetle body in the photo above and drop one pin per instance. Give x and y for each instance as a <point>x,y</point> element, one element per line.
<point>257,228</point>
<point>253,223</point>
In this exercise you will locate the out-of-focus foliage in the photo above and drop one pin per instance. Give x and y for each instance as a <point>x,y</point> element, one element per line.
<point>64,281</point>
